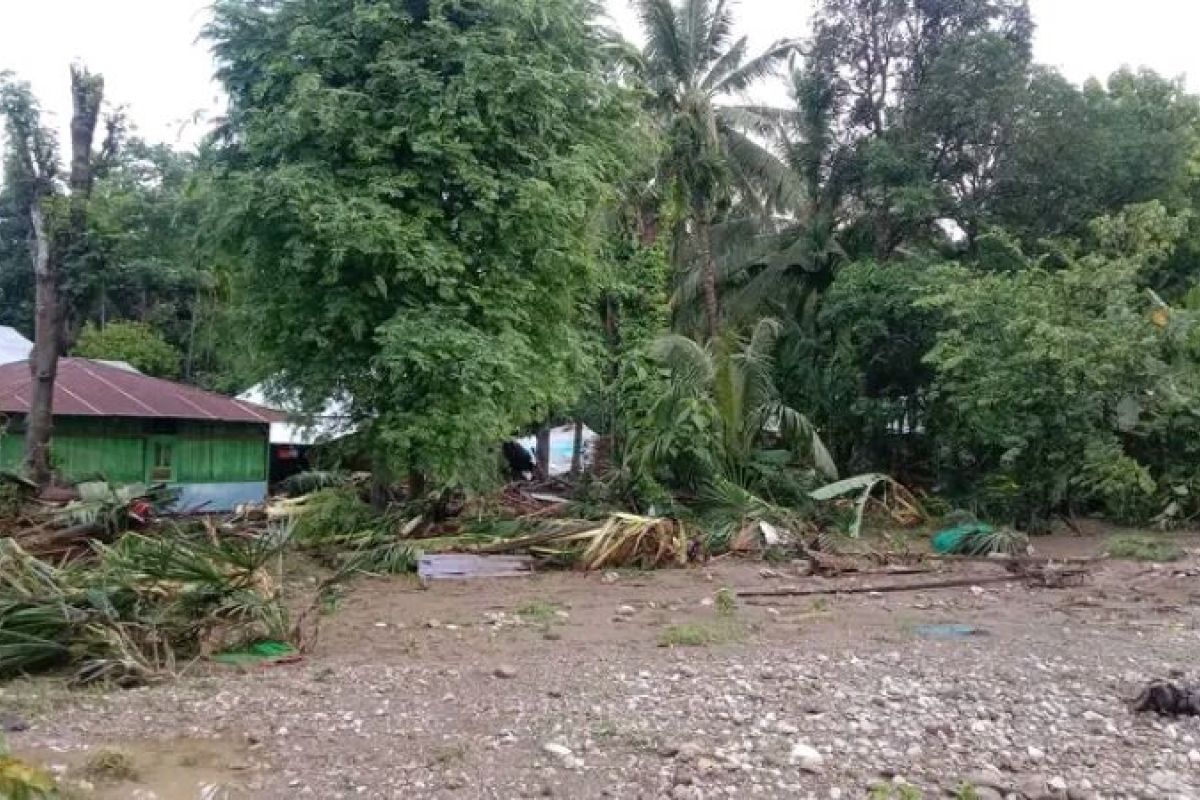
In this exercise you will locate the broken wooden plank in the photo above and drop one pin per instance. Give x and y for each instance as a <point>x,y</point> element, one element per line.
<point>464,566</point>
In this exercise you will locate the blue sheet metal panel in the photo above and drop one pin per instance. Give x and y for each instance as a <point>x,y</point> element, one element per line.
<point>218,497</point>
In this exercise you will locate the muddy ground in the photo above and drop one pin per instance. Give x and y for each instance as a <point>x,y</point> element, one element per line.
<point>652,685</point>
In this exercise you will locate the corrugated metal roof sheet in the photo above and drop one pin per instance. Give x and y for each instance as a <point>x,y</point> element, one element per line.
<point>13,346</point>
<point>89,388</point>
<point>331,424</point>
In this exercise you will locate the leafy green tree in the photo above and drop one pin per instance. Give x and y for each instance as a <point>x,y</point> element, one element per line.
<point>16,280</point>
<point>133,342</point>
<point>57,215</point>
<point>410,192</point>
<point>139,258</point>
<point>904,107</point>
<point>859,369</point>
<point>692,67</point>
<point>144,261</point>
<point>1040,375</point>
<point>1077,154</point>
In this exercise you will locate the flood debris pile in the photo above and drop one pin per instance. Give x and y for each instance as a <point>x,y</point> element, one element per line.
<point>106,584</point>
<point>342,530</point>
<point>61,522</point>
<point>141,608</point>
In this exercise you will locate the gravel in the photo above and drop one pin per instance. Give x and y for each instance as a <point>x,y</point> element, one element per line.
<point>848,708</point>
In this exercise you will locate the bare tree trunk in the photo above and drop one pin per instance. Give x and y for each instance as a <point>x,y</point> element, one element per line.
<point>712,309</point>
<point>43,361</point>
<point>577,450</point>
<point>543,452</point>
<point>52,252</point>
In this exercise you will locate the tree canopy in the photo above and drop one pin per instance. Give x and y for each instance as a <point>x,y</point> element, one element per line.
<point>477,218</point>
<point>412,192</point>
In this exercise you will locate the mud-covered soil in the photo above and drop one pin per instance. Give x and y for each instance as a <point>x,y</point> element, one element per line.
<point>650,685</point>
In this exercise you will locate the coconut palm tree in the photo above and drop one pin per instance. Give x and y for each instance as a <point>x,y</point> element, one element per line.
<point>720,396</point>
<point>694,69</point>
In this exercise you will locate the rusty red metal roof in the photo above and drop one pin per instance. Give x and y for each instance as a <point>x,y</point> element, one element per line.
<point>87,388</point>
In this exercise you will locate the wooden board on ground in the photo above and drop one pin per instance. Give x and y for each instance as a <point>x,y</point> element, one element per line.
<point>463,566</point>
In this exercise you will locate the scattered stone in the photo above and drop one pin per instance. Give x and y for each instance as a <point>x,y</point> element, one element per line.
<point>683,791</point>
<point>1171,782</point>
<point>806,757</point>
<point>505,671</point>
<point>13,723</point>
<point>989,779</point>
<point>557,750</point>
<point>1032,786</point>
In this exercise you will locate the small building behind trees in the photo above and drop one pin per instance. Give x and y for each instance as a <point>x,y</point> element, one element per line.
<point>113,423</point>
<point>13,346</point>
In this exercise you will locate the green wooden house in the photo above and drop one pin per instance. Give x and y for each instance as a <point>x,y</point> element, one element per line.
<point>116,424</point>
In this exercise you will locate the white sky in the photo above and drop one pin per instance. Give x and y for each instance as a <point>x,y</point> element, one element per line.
<point>148,52</point>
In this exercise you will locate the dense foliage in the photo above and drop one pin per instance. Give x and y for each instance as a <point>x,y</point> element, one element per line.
<point>474,218</point>
<point>135,343</point>
<point>411,191</point>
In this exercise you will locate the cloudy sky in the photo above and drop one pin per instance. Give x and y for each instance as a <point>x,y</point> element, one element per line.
<point>148,52</point>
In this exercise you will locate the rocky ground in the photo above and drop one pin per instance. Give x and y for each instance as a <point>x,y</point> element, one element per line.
<point>655,686</point>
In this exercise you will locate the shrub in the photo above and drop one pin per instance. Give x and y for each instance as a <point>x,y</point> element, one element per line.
<point>132,342</point>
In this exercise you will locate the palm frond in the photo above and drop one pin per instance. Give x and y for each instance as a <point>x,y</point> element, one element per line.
<point>664,50</point>
<point>694,33</point>
<point>737,245</point>
<point>726,63</point>
<point>763,339</point>
<point>687,358</point>
<point>762,66</point>
<point>760,173</point>
<point>720,28</point>
<point>766,122</point>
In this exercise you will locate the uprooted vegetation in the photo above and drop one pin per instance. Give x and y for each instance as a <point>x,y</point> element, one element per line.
<point>140,609</point>
<point>118,593</point>
<point>105,588</point>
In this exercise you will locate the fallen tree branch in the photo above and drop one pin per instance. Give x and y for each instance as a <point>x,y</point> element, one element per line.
<point>902,587</point>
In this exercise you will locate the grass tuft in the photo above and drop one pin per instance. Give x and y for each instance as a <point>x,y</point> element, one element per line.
<point>539,612</point>
<point>110,765</point>
<point>1143,548</point>
<point>701,634</point>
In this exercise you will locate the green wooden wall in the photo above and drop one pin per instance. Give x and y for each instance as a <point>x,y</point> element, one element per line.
<point>123,450</point>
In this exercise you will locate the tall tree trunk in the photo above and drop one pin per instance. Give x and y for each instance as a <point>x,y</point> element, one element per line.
<point>543,452</point>
<point>53,253</point>
<point>577,450</point>
<point>189,359</point>
<point>43,361</point>
<point>708,263</point>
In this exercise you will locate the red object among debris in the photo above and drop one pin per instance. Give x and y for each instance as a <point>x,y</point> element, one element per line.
<point>140,511</point>
<point>87,388</point>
